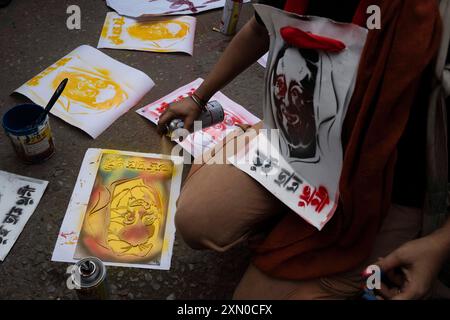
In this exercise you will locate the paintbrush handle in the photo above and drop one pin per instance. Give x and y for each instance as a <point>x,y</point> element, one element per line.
<point>55,96</point>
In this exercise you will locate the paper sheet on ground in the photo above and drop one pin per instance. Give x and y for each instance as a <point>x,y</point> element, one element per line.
<point>139,8</point>
<point>99,91</point>
<point>156,34</point>
<point>19,197</point>
<point>122,210</point>
<point>198,142</point>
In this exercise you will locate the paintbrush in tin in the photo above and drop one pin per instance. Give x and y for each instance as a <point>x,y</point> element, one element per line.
<point>52,101</point>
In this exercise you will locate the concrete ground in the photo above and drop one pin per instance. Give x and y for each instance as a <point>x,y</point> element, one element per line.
<point>33,35</point>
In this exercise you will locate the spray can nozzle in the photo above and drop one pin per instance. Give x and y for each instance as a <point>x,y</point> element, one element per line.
<point>212,115</point>
<point>87,268</point>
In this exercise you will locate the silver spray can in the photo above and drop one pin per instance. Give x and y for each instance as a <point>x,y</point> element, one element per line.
<point>213,114</point>
<point>89,278</point>
<point>230,16</point>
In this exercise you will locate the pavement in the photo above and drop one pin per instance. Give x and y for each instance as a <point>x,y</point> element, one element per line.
<point>34,35</point>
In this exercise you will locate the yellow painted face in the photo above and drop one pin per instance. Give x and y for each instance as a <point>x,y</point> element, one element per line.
<point>159,30</point>
<point>93,91</point>
<point>135,219</point>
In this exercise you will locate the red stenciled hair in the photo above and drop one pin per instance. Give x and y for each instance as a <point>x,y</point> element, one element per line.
<point>308,40</point>
<point>302,39</point>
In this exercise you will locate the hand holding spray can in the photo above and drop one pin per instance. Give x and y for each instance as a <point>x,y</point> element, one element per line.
<point>230,16</point>
<point>213,114</point>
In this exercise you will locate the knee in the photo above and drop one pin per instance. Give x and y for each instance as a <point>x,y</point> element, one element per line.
<point>185,223</point>
<point>195,222</point>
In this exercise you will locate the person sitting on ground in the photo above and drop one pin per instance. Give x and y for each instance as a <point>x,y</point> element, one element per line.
<point>385,180</point>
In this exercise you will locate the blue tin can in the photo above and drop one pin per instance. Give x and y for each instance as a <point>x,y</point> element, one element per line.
<point>32,141</point>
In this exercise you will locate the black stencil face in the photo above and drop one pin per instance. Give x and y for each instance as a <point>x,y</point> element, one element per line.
<point>292,92</point>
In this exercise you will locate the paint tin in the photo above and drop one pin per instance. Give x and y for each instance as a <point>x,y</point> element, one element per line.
<point>212,115</point>
<point>32,141</point>
<point>89,278</point>
<point>230,16</point>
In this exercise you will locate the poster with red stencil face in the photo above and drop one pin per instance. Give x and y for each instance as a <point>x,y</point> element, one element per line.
<point>201,141</point>
<point>310,76</point>
<point>142,8</point>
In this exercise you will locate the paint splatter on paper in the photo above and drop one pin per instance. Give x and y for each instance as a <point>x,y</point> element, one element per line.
<point>124,212</point>
<point>99,88</point>
<point>201,141</point>
<point>158,35</point>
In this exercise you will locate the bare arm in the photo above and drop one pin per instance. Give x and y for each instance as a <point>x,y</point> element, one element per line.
<point>247,46</point>
<point>442,237</point>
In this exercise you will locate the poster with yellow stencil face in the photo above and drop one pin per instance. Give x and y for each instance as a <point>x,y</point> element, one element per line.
<point>158,35</point>
<point>99,91</point>
<point>122,210</point>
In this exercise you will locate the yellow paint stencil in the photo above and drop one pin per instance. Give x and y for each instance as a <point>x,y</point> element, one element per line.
<point>159,30</point>
<point>96,91</point>
<point>99,91</point>
<point>127,210</point>
<point>159,35</point>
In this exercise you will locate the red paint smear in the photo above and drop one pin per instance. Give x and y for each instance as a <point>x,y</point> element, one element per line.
<point>93,245</point>
<point>178,3</point>
<point>135,234</point>
<point>65,235</point>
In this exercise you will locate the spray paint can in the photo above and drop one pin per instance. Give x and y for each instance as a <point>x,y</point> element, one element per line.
<point>31,140</point>
<point>89,278</point>
<point>230,16</point>
<point>212,115</point>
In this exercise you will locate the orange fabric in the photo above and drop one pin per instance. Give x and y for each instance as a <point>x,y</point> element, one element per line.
<point>301,7</point>
<point>307,40</point>
<point>296,6</point>
<point>388,82</point>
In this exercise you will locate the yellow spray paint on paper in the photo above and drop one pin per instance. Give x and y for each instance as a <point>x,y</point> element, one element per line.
<point>100,89</point>
<point>92,90</point>
<point>159,30</point>
<point>127,211</point>
<point>170,35</point>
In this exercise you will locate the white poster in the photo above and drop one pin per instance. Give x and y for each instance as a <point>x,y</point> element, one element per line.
<point>307,92</point>
<point>139,8</point>
<point>156,34</point>
<point>19,197</point>
<point>100,89</point>
<point>122,210</point>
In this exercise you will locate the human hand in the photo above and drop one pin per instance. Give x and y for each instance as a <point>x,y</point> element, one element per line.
<point>186,110</point>
<point>413,269</point>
